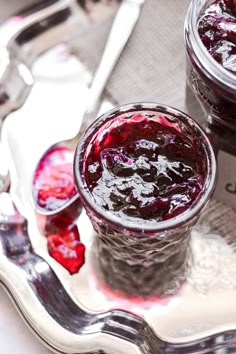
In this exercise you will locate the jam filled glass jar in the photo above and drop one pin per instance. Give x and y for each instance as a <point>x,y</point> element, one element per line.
<point>144,172</point>
<point>210,41</point>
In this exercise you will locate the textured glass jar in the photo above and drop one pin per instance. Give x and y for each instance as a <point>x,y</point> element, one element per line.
<point>211,100</point>
<point>143,258</point>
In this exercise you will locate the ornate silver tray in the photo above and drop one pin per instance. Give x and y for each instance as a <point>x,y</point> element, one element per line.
<point>72,313</point>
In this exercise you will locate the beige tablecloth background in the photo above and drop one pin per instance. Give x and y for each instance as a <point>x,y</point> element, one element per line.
<point>152,68</point>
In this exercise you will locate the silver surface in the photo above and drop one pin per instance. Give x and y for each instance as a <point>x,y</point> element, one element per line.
<point>75,314</point>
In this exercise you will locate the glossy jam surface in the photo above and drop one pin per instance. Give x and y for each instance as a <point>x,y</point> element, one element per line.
<point>67,249</point>
<point>63,239</point>
<point>143,166</point>
<point>53,183</point>
<point>53,186</point>
<point>217,29</point>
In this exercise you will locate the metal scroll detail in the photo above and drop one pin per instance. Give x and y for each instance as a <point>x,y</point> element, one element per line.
<point>213,263</point>
<point>58,320</point>
<point>30,280</point>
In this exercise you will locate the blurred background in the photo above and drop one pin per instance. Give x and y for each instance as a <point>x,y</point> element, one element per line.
<point>7,8</point>
<point>93,8</point>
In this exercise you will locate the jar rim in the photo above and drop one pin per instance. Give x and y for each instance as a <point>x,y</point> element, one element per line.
<point>198,51</point>
<point>179,220</point>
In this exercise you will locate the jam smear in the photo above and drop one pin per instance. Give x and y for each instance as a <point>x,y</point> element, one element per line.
<point>60,222</point>
<point>142,166</point>
<point>63,239</point>
<point>53,183</point>
<point>217,29</point>
<point>67,249</point>
<point>53,186</point>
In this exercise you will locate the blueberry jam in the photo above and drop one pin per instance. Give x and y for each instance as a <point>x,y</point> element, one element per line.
<point>211,82</point>
<point>217,30</point>
<point>144,166</point>
<point>53,183</point>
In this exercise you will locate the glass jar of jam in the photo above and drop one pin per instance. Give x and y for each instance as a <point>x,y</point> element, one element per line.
<point>144,172</point>
<point>210,41</point>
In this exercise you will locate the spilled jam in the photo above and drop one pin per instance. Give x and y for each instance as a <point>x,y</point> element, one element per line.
<point>143,166</point>
<point>63,238</point>
<point>67,249</point>
<point>53,186</point>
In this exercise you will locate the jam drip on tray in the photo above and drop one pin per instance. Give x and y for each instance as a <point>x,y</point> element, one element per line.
<point>53,186</point>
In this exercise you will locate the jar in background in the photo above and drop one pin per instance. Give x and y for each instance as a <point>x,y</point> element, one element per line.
<point>144,172</point>
<point>211,99</point>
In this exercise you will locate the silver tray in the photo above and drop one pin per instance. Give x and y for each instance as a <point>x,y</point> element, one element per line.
<point>72,313</point>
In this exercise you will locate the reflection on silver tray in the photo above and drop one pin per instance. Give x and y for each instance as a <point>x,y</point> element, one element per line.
<point>74,315</point>
<point>77,314</point>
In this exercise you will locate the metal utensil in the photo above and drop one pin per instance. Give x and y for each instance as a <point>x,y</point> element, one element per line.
<point>122,27</point>
<point>23,37</point>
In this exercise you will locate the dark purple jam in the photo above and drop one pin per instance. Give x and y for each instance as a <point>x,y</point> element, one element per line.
<point>144,166</point>
<point>217,29</point>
